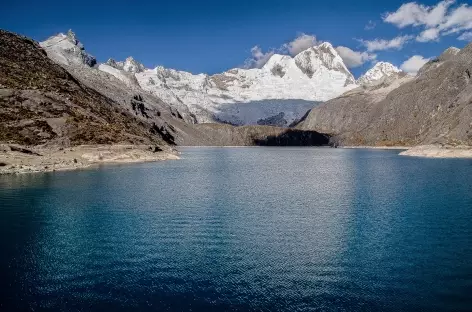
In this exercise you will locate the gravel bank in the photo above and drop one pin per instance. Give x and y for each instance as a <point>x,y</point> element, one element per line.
<point>439,151</point>
<point>16,159</point>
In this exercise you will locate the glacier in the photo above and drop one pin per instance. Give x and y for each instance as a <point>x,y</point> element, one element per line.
<point>280,93</point>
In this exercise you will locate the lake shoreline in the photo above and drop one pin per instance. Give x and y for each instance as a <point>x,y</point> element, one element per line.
<point>17,159</point>
<point>377,147</point>
<point>439,151</point>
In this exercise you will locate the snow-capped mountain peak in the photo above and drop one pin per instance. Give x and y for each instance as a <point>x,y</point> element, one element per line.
<point>312,63</point>
<point>323,55</point>
<point>129,65</point>
<point>67,50</point>
<point>316,74</point>
<point>133,66</point>
<point>285,84</point>
<point>377,74</point>
<point>71,37</point>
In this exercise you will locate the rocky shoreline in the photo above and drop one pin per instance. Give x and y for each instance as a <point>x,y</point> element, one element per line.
<point>377,147</point>
<point>426,151</point>
<point>17,159</point>
<point>439,151</point>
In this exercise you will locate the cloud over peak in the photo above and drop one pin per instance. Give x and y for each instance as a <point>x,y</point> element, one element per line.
<point>416,14</point>
<point>354,59</point>
<point>299,44</point>
<point>396,43</point>
<point>413,64</point>
<point>439,20</point>
<point>258,58</point>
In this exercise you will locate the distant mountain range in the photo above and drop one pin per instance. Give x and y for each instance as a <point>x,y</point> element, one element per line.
<point>55,93</point>
<point>55,106</point>
<point>279,93</point>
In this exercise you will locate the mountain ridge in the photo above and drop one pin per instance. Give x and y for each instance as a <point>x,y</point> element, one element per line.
<point>53,106</point>
<point>314,75</point>
<point>380,72</point>
<point>434,107</point>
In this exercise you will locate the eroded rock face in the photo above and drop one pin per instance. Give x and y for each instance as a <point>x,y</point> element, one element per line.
<point>67,49</point>
<point>434,107</point>
<point>45,104</point>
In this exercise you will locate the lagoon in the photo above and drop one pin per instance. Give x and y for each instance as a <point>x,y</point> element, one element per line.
<point>242,229</point>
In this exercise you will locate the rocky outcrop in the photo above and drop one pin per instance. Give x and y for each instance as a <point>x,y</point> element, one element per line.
<point>434,107</point>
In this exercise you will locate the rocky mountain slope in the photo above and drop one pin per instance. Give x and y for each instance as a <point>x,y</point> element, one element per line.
<point>40,102</point>
<point>433,107</point>
<point>56,106</point>
<point>43,103</point>
<point>279,93</point>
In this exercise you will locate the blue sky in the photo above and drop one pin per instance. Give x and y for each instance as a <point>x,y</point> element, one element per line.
<point>213,36</point>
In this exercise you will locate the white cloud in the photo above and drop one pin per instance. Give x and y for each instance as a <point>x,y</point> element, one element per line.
<point>259,58</point>
<point>413,64</point>
<point>459,19</point>
<point>299,44</point>
<point>467,36</point>
<point>354,59</point>
<point>370,25</point>
<point>439,20</point>
<point>417,14</point>
<point>396,43</point>
<point>428,35</point>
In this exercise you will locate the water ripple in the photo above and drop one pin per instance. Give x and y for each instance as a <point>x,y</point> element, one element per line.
<point>247,229</point>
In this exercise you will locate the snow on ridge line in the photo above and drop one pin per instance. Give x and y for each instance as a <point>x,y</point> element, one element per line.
<point>378,73</point>
<point>67,50</point>
<point>316,74</point>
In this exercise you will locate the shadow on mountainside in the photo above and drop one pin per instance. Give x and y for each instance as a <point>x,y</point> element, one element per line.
<point>294,137</point>
<point>278,113</point>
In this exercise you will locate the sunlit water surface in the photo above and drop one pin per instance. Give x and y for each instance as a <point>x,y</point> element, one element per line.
<point>243,229</point>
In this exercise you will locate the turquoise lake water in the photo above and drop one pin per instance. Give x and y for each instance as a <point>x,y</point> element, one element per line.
<point>242,229</point>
